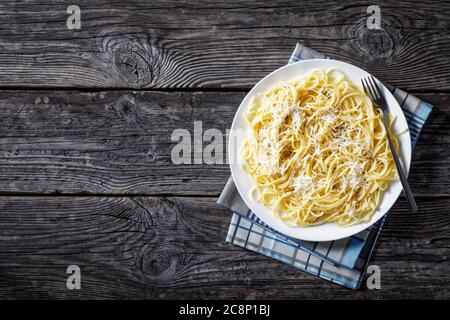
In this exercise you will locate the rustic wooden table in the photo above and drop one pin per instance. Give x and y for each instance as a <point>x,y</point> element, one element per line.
<point>86,176</point>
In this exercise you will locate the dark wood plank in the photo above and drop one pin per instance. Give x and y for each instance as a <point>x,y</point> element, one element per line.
<point>120,143</point>
<point>193,44</point>
<point>158,247</point>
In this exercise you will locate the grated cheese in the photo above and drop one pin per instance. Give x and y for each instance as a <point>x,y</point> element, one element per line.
<point>302,183</point>
<point>329,118</point>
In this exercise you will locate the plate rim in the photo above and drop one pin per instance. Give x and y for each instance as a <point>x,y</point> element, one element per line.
<point>358,227</point>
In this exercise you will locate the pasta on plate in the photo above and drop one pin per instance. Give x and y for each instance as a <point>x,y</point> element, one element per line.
<point>317,151</point>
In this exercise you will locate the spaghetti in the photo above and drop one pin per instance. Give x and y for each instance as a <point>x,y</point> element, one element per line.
<point>317,151</point>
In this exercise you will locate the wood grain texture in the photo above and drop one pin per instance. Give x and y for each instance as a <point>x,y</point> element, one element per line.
<point>159,247</point>
<point>140,226</point>
<point>120,143</point>
<point>216,44</point>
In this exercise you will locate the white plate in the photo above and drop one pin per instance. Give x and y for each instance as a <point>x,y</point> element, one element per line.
<point>328,231</point>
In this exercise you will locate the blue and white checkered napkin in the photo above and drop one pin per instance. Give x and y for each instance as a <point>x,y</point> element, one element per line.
<point>342,261</point>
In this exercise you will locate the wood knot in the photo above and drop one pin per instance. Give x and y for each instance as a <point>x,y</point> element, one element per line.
<point>125,108</point>
<point>165,213</point>
<point>133,64</point>
<point>163,265</point>
<point>150,156</point>
<point>375,44</point>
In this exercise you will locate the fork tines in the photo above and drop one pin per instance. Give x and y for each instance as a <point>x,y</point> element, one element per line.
<point>372,89</point>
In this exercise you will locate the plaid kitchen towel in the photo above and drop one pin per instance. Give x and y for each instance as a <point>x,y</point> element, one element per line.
<point>342,261</point>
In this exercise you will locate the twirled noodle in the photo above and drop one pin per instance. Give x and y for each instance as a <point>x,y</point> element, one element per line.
<point>317,151</point>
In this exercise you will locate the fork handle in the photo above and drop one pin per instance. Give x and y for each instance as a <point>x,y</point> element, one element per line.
<point>403,178</point>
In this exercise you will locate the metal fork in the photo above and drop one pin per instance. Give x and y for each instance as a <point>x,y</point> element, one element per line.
<point>373,90</point>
